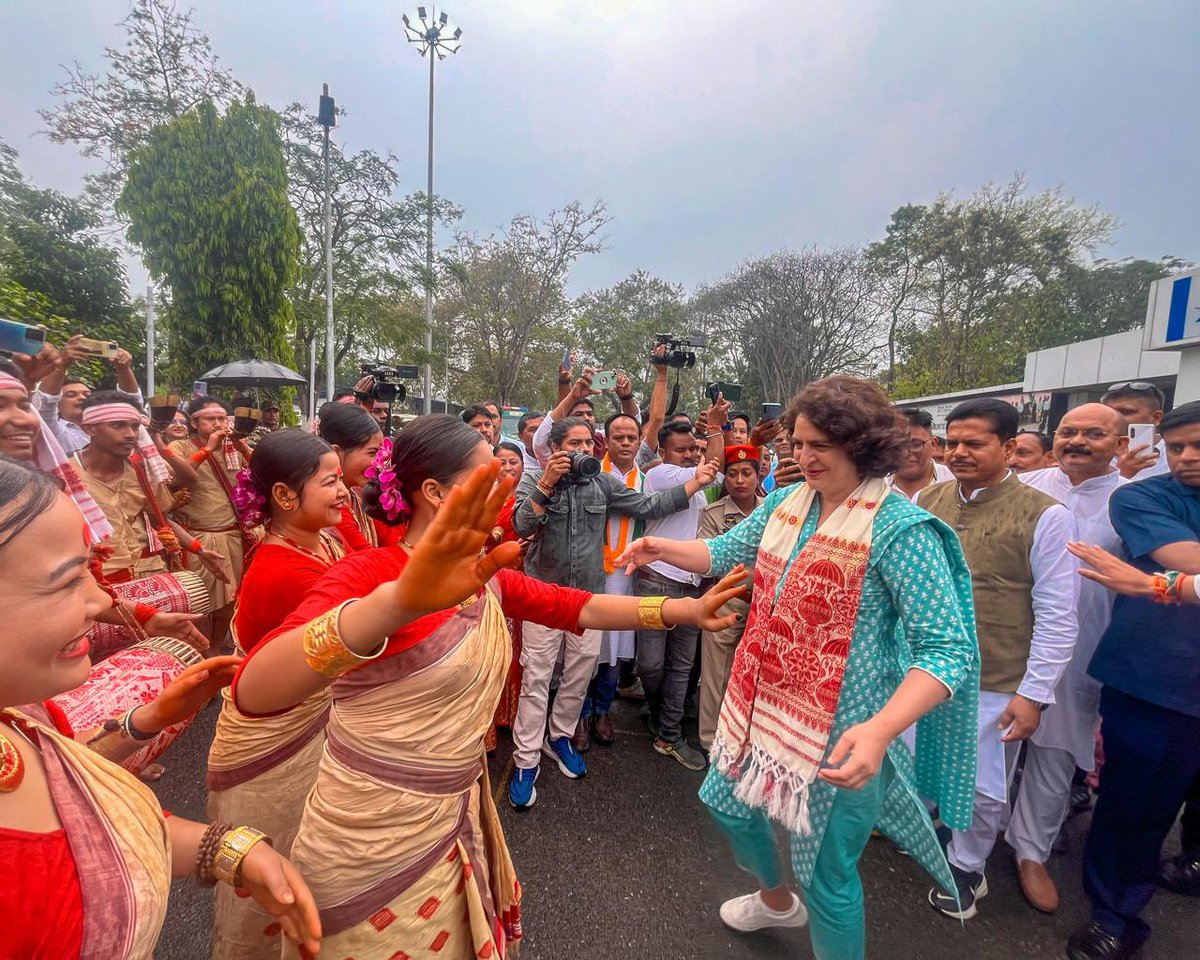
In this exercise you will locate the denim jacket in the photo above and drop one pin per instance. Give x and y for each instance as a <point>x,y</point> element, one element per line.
<point>568,538</point>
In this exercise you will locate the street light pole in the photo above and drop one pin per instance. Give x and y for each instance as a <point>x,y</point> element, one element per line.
<point>326,117</point>
<point>437,39</point>
<point>427,387</point>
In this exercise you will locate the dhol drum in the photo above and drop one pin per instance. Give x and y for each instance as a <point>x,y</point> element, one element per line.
<point>182,592</point>
<point>131,678</point>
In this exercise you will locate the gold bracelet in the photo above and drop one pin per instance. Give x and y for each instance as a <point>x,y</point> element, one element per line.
<point>650,613</point>
<point>324,651</point>
<point>235,845</point>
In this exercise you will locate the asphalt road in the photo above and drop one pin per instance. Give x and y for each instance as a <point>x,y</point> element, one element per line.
<point>624,863</point>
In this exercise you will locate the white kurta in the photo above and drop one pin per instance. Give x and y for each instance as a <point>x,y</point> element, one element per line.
<point>619,644</point>
<point>1070,722</point>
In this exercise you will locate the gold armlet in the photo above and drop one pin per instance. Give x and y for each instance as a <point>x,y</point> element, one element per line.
<point>650,613</point>
<point>324,651</point>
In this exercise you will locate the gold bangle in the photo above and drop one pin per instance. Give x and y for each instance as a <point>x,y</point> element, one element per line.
<point>235,845</point>
<point>325,652</point>
<point>650,613</point>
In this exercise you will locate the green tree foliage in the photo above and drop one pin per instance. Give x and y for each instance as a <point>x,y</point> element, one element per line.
<point>616,326</point>
<point>954,271</point>
<point>166,69</point>
<point>206,197</point>
<point>378,249</point>
<point>56,272</point>
<point>504,301</point>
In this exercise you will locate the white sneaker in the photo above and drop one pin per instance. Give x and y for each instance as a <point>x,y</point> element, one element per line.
<point>750,913</point>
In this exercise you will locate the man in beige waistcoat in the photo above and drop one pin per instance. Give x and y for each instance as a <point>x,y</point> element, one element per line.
<point>1026,591</point>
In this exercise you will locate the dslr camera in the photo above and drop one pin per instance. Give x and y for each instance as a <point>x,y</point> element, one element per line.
<point>583,467</point>
<point>680,352</point>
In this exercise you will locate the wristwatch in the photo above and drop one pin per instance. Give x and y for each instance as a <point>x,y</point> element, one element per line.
<point>1037,703</point>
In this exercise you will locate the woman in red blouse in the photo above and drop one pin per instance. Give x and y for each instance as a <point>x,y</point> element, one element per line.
<point>356,438</point>
<point>265,767</point>
<point>512,465</point>
<point>88,853</point>
<point>400,831</point>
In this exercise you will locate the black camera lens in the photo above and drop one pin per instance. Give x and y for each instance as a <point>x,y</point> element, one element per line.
<point>584,466</point>
<point>386,392</point>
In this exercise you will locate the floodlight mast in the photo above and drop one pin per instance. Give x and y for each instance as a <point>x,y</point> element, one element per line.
<point>436,38</point>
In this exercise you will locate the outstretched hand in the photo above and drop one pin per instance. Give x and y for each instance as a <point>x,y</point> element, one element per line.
<point>1110,572</point>
<point>639,554</point>
<point>188,693</point>
<point>448,565</point>
<point>729,587</point>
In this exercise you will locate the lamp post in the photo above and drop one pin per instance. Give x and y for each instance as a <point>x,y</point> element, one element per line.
<point>436,38</point>
<point>327,118</point>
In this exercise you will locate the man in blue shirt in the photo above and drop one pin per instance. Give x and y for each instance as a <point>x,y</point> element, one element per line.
<point>1149,663</point>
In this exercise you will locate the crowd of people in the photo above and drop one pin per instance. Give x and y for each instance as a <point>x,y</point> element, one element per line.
<point>875,630</point>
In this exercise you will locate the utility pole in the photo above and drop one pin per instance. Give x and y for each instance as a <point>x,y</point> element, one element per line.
<point>327,118</point>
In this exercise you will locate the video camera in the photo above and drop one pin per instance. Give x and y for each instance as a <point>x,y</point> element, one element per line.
<point>680,350</point>
<point>387,388</point>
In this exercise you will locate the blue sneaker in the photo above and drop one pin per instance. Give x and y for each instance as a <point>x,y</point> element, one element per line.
<point>521,791</point>
<point>562,752</point>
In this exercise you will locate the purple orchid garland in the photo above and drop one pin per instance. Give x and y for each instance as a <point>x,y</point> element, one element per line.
<point>249,503</point>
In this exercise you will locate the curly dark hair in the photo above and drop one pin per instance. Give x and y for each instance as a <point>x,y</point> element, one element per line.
<point>857,416</point>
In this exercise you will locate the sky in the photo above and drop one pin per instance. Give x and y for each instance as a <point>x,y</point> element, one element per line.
<point>715,132</point>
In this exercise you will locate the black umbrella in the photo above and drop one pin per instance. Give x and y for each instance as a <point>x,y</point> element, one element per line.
<point>253,373</point>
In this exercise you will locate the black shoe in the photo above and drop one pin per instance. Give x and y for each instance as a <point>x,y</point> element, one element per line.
<point>972,887</point>
<point>1093,942</point>
<point>1081,798</point>
<point>1181,874</point>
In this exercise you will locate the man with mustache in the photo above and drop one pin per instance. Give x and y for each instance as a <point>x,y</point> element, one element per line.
<point>1086,443</point>
<point>1149,664</point>
<point>1026,591</point>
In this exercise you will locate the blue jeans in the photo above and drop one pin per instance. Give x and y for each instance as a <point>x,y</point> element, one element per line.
<point>601,691</point>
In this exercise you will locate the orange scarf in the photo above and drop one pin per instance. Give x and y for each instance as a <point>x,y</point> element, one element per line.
<point>612,551</point>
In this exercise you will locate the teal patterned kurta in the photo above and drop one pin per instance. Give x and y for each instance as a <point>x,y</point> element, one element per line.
<point>916,611</point>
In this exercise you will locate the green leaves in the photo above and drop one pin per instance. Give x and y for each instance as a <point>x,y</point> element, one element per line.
<point>206,198</point>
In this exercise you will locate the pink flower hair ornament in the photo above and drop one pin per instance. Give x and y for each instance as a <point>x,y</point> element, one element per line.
<point>383,472</point>
<point>249,503</point>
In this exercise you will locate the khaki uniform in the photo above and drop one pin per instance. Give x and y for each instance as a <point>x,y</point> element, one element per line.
<point>125,506</point>
<point>209,516</point>
<point>717,649</point>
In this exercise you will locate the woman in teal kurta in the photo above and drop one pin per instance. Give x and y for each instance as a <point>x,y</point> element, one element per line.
<point>914,613</point>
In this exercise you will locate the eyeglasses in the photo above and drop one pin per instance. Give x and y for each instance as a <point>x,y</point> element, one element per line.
<point>917,445</point>
<point>1091,433</point>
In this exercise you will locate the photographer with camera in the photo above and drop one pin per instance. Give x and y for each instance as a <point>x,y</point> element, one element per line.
<point>563,512</point>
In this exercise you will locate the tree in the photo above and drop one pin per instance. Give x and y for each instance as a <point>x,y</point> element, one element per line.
<point>616,326</point>
<point>790,318</point>
<point>206,197</point>
<point>166,69</point>
<point>1090,300</point>
<point>378,244</point>
<point>50,248</point>
<point>504,296</point>
<point>967,263</point>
